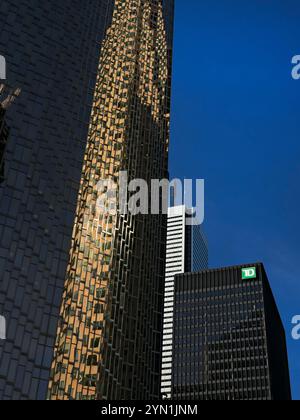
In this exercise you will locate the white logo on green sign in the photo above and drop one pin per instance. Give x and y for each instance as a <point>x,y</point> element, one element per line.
<point>249,273</point>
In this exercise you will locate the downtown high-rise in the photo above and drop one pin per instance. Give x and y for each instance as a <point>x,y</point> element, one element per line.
<point>229,340</point>
<point>187,251</point>
<point>52,50</point>
<point>109,336</point>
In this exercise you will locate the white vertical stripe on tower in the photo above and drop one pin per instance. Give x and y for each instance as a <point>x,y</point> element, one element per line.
<point>175,263</point>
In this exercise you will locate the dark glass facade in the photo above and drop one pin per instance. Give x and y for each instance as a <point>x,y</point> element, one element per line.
<point>196,249</point>
<point>4,133</point>
<point>109,336</point>
<point>229,341</point>
<point>52,51</point>
<point>7,97</point>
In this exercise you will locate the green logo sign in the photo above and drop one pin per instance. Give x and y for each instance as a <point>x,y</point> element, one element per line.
<point>249,273</point>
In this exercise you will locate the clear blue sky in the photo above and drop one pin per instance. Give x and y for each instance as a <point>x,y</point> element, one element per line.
<point>236,123</point>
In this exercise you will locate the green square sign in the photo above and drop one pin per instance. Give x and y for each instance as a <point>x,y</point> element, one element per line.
<point>249,273</point>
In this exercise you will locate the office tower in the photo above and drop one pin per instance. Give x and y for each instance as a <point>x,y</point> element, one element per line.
<point>229,341</point>
<point>187,251</point>
<point>110,332</point>
<point>52,51</point>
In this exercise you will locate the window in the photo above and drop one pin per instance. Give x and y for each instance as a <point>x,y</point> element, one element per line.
<point>92,360</point>
<point>95,342</point>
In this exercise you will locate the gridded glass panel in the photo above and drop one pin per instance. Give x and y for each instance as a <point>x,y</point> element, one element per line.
<point>52,51</point>
<point>221,349</point>
<point>115,274</point>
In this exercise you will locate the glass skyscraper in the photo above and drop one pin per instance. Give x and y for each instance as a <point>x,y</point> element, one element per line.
<point>52,51</point>
<point>109,336</point>
<point>187,251</point>
<point>229,341</point>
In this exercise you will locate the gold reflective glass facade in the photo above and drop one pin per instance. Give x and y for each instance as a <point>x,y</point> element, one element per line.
<point>109,339</point>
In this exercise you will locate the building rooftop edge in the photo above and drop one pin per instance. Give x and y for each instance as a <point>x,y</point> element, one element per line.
<point>226,268</point>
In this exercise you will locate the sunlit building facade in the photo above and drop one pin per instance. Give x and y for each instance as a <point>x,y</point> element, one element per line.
<point>109,336</point>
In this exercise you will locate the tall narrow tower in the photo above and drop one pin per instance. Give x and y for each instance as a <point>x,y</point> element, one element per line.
<point>110,331</point>
<point>187,252</point>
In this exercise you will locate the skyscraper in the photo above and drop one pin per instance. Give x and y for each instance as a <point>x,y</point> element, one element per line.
<point>109,337</point>
<point>52,51</point>
<point>229,341</point>
<point>187,251</point>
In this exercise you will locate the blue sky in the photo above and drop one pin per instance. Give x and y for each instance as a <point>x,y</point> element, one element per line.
<point>235,122</point>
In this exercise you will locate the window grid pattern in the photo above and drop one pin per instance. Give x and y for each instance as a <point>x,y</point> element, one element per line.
<point>109,337</point>
<point>52,51</point>
<point>220,346</point>
<point>4,133</point>
<point>186,252</point>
